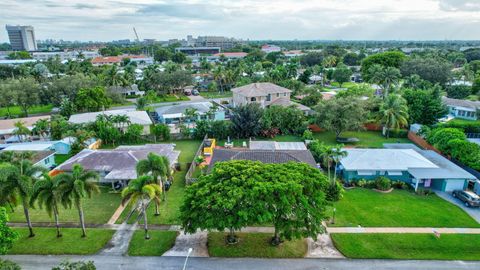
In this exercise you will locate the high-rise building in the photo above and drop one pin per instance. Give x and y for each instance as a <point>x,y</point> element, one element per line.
<point>22,38</point>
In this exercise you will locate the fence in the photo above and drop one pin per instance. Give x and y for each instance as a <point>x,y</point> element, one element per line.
<point>421,142</point>
<point>193,165</point>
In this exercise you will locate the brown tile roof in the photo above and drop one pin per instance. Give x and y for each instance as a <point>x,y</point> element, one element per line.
<point>9,124</point>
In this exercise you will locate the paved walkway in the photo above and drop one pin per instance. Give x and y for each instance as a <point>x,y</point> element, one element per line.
<point>117,213</point>
<point>473,212</point>
<point>118,245</point>
<point>196,241</point>
<point>402,230</point>
<point>322,248</point>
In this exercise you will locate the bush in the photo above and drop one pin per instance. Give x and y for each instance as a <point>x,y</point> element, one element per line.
<point>399,185</point>
<point>307,135</point>
<point>334,192</point>
<point>424,192</point>
<point>467,127</point>
<point>398,133</point>
<point>9,265</point>
<point>383,183</point>
<point>361,183</point>
<point>459,91</point>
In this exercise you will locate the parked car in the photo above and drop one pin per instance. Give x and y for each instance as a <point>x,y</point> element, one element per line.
<point>469,198</point>
<point>187,92</point>
<point>195,92</point>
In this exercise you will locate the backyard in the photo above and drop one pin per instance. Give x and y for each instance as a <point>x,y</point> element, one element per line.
<point>400,208</point>
<point>45,241</point>
<point>255,245</point>
<point>17,111</point>
<point>409,246</point>
<point>97,209</point>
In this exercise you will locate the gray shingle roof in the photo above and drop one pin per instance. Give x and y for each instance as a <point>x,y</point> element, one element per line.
<point>461,103</point>
<point>259,89</point>
<point>265,156</point>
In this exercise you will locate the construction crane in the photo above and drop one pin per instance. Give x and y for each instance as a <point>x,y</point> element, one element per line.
<point>135,31</point>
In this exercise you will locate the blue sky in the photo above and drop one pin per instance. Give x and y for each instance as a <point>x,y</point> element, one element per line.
<point>247,19</point>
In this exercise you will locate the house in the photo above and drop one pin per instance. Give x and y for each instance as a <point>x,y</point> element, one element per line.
<point>127,90</point>
<point>293,53</point>
<point>111,60</point>
<point>43,158</point>
<point>7,126</point>
<point>117,166</point>
<point>136,117</point>
<point>270,48</point>
<point>406,163</point>
<point>460,108</point>
<point>265,94</point>
<point>176,113</point>
<point>264,156</point>
<point>230,55</point>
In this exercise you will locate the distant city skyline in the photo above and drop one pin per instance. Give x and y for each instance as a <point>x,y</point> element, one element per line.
<point>246,19</point>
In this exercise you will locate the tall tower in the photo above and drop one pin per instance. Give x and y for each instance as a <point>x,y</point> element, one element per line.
<point>22,38</point>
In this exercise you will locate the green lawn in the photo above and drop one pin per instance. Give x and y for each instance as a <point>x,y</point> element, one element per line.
<point>216,94</point>
<point>159,243</point>
<point>399,208</point>
<point>46,241</point>
<point>368,139</point>
<point>170,209</point>
<point>170,98</point>
<point>60,158</point>
<point>17,111</point>
<point>256,245</point>
<point>97,209</point>
<point>460,121</point>
<point>409,246</point>
<point>344,85</point>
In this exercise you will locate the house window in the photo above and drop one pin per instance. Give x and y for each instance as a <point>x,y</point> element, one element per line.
<point>284,94</point>
<point>394,173</point>
<point>253,99</point>
<point>366,172</point>
<point>47,160</point>
<point>269,97</point>
<point>278,94</point>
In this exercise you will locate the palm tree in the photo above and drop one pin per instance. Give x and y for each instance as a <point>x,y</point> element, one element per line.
<point>16,180</point>
<point>41,127</point>
<point>73,187</point>
<point>326,156</point>
<point>337,154</point>
<point>154,164</point>
<point>45,194</point>
<point>21,131</point>
<point>190,114</point>
<point>391,76</point>
<point>142,190</point>
<point>394,112</point>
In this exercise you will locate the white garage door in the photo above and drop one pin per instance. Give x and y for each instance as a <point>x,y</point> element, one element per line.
<point>452,185</point>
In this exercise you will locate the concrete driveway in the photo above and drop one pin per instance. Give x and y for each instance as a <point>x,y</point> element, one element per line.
<point>473,212</point>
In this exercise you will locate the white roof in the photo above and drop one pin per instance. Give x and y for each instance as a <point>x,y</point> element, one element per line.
<point>271,145</point>
<point>136,117</point>
<point>29,147</point>
<point>446,169</point>
<point>384,159</point>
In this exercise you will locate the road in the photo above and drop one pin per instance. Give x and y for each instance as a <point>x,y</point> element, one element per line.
<point>176,263</point>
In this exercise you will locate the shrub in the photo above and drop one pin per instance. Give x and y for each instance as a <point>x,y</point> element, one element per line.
<point>399,185</point>
<point>9,265</point>
<point>398,133</point>
<point>383,183</point>
<point>361,183</point>
<point>307,135</point>
<point>424,192</point>
<point>459,91</point>
<point>334,192</point>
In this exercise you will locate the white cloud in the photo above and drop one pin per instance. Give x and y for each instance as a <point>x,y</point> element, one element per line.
<point>261,19</point>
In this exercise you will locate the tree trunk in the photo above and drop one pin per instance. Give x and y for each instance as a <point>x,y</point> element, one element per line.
<point>328,171</point>
<point>335,173</point>
<point>27,216</point>
<point>276,238</point>
<point>145,223</point>
<point>231,239</point>
<point>57,223</point>
<point>82,220</point>
<point>164,193</point>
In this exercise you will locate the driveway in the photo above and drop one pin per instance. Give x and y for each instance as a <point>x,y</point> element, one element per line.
<point>473,212</point>
<point>196,98</point>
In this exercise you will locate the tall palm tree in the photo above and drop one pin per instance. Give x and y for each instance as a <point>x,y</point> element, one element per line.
<point>16,180</point>
<point>21,131</point>
<point>41,127</point>
<point>73,187</point>
<point>394,112</point>
<point>154,165</point>
<point>391,76</point>
<point>326,156</point>
<point>45,195</point>
<point>190,114</point>
<point>337,154</point>
<point>142,190</point>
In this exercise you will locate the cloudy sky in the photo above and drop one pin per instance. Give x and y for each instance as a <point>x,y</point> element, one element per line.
<point>247,19</point>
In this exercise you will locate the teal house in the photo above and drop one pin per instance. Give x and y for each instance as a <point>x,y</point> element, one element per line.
<point>406,163</point>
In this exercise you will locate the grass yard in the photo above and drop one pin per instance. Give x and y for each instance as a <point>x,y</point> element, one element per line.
<point>344,85</point>
<point>255,245</point>
<point>97,209</point>
<point>409,246</point>
<point>225,94</point>
<point>170,209</point>
<point>46,242</point>
<point>61,158</point>
<point>399,208</point>
<point>368,139</point>
<point>159,243</point>
<point>170,98</point>
<point>17,111</point>
<point>460,121</point>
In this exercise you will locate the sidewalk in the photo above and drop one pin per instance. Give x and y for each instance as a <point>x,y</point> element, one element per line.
<point>402,230</point>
